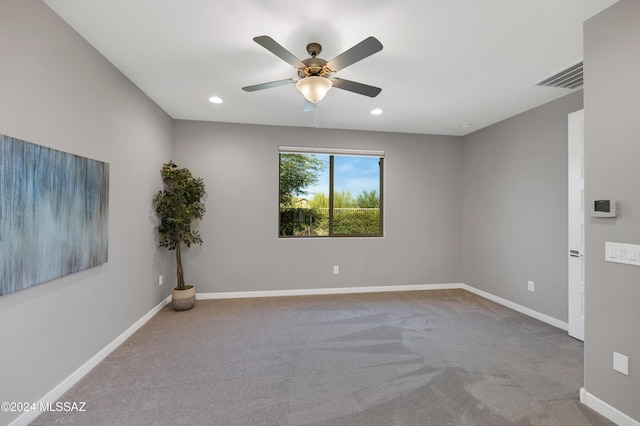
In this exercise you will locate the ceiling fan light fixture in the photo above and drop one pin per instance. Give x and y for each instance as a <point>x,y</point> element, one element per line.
<point>314,88</point>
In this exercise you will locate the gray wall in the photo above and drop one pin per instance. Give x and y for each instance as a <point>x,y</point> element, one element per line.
<point>57,91</point>
<point>242,251</point>
<point>515,207</point>
<point>612,153</point>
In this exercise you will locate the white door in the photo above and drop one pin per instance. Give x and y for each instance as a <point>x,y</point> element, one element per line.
<point>576,224</point>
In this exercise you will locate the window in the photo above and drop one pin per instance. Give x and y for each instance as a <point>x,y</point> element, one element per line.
<point>330,193</point>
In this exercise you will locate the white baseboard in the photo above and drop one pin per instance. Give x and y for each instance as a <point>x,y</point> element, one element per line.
<point>320,291</point>
<point>523,310</point>
<point>28,416</point>
<point>598,405</point>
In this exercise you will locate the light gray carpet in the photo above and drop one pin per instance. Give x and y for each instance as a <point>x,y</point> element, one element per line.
<point>408,358</point>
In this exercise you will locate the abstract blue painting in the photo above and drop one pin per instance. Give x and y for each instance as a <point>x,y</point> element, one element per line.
<point>54,211</point>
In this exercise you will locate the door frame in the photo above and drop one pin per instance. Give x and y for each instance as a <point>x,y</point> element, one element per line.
<point>576,222</point>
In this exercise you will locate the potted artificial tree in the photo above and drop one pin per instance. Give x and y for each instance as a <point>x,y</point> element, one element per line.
<point>178,205</point>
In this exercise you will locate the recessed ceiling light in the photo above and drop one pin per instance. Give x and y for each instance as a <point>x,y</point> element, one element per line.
<point>376,111</point>
<point>466,125</point>
<point>215,100</point>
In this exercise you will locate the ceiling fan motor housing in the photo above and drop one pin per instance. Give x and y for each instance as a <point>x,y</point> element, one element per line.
<point>314,67</point>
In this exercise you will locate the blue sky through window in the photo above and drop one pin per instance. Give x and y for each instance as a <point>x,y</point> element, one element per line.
<point>352,174</point>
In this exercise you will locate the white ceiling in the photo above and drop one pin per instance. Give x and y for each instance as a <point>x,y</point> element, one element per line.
<point>445,63</point>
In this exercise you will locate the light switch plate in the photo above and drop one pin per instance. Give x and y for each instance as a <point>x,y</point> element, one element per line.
<point>628,254</point>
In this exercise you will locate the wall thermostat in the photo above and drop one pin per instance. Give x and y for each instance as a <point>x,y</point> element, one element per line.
<point>604,208</point>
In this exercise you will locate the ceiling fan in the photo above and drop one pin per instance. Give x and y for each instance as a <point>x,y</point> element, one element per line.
<point>315,74</point>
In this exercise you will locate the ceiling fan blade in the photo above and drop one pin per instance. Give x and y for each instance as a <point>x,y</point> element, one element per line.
<point>268,85</point>
<point>359,88</point>
<point>366,47</point>
<point>274,47</point>
<point>309,106</point>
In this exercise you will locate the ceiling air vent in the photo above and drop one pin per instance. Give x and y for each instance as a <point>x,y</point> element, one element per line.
<point>568,78</point>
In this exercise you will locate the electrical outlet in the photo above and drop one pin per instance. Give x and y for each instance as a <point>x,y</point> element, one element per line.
<point>531,286</point>
<point>621,363</point>
<point>336,270</point>
<point>160,280</point>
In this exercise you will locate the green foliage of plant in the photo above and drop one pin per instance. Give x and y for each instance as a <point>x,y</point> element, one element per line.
<point>297,172</point>
<point>178,205</point>
<point>368,199</point>
<point>319,201</point>
<point>315,222</point>
<point>364,222</point>
<point>303,221</point>
<point>343,199</point>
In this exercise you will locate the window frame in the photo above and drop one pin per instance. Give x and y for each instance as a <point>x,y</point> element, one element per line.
<point>332,153</point>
